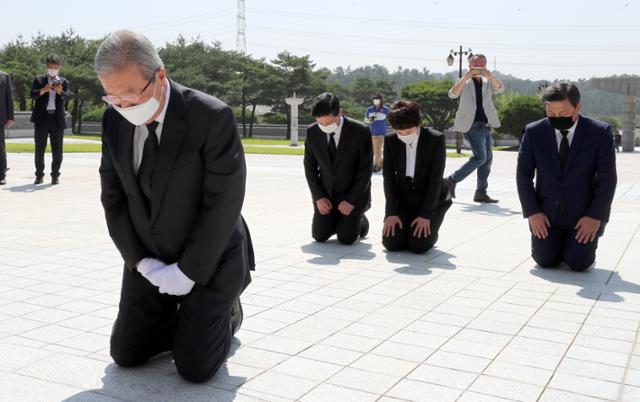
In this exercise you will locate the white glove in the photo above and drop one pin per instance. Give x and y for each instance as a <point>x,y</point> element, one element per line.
<point>146,265</point>
<point>171,280</point>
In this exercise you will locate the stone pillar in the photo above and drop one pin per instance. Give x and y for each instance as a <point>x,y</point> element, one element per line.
<point>294,102</point>
<point>628,124</point>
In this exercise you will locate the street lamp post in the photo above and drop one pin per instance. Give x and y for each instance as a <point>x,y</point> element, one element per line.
<point>450,60</point>
<point>460,53</point>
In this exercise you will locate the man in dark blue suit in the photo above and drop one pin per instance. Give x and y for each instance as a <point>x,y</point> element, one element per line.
<point>573,160</point>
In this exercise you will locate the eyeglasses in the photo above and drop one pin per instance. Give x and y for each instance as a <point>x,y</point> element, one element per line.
<point>111,99</point>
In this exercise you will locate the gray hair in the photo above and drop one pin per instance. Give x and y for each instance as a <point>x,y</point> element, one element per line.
<point>477,56</point>
<point>123,48</point>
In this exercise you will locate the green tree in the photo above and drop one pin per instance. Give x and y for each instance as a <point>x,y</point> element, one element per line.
<point>20,60</point>
<point>614,121</point>
<point>297,74</point>
<point>361,91</point>
<point>517,112</point>
<point>438,109</point>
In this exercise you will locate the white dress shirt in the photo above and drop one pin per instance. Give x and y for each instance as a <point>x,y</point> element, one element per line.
<point>410,167</point>
<point>141,133</point>
<point>572,130</point>
<point>51,104</point>
<point>336,137</point>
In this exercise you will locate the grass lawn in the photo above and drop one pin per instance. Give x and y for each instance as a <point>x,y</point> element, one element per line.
<point>68,148</point>
<point>93,137</point>
<point>260,141</point>
<point>248,148</point>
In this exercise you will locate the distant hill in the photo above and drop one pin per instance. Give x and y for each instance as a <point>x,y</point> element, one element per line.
<point>595,102</point>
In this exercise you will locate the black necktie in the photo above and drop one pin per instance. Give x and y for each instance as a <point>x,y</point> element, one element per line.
<point>145,172</point>
<point>333,149</point>
<point>564,147</point>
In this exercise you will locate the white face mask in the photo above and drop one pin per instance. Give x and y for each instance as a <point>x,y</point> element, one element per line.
<point>409,139</point>
<point>140,114</point>
<point>330,128</point>
<point>376,102</point>
<point>53,71</point>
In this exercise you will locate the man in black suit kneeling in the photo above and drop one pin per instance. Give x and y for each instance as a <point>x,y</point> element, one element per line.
<point>338,159</point>
<point>173,181</point>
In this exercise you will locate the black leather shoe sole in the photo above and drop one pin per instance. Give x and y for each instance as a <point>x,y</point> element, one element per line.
<point>236,316</point>
<point>364,227</point>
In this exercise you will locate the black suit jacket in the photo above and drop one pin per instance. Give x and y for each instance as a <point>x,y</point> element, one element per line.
<point>198,187</point>
<point>6,99</point>
<point>348,178</point>
<point>427,188</point>
<point>587,184</point>
<point>39,113</point>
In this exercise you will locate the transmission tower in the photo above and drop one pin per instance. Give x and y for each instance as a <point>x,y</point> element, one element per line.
<point>241,38</point>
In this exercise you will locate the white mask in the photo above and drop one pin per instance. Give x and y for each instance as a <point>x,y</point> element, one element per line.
<point>409,139</point>
<point>331,128</point>
<point>53,72</point>
<point>140,114</point>
<point>376,102</point>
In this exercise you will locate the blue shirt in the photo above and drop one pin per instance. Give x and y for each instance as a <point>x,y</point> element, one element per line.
<point>379,125</point>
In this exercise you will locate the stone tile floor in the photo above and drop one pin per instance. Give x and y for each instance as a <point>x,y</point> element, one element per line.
<point>472,320</point>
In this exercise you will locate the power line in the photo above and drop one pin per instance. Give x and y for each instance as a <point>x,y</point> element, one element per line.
<point>403,57</point>
<point>452,26</point>
<point>153,26</point>
<point>412,42</point>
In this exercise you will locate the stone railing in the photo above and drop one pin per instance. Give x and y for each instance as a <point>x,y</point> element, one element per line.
<point>23,127</point>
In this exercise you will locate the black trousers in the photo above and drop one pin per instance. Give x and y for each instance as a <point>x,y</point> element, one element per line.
<point>347,227</point>
<point>562,246</point>
<point>195,327</point>
<point>404,239</point>
<point>3,155</point>
<point>48,129</point>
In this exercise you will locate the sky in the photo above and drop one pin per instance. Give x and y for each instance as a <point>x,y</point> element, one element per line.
<point>534,39</point>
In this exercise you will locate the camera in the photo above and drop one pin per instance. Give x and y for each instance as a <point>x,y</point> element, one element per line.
<point>477,71</point>
<point>55,82</point>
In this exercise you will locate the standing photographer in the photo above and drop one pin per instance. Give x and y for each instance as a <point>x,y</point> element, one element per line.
<point>49,91</point>
<point>475,116</point>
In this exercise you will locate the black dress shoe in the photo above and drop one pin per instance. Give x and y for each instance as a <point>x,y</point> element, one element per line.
<point>3,182</point>
<point>236,316</point>
<point>484,198</point>
<point>54,181</point>
<point>364,227</point>
<point>452,187</point>
<point>38,180</point>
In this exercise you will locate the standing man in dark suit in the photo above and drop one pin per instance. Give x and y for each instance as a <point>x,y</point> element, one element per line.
<point>50,91</point>
<point>6,119</point>
<point>338,159</point>
<point>173,182</point>
<point>417,197</point>
<point>573,160</point>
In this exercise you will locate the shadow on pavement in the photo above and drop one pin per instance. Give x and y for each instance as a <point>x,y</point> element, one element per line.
<point>416,264</point>
<point>28,188</point>
<point>157,380</point>
<point>489,209</point>
<point>608,290</point>
<point>332,252</point>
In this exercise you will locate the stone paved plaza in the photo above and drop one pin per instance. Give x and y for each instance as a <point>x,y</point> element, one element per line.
<point>472,320</point>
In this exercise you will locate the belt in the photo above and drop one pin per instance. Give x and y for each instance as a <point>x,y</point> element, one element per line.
<point>51,111</point>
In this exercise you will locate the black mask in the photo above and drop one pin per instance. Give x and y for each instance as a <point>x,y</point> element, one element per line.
<point>561,123</point>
